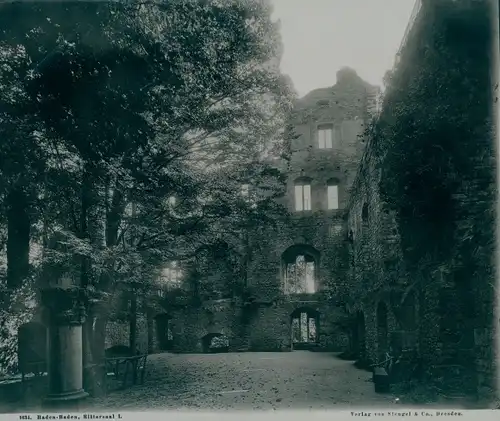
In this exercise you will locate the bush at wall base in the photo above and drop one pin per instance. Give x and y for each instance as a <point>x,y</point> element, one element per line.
<point>219,344</point>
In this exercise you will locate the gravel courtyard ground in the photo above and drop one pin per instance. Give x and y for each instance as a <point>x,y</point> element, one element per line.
<point>294,380</point>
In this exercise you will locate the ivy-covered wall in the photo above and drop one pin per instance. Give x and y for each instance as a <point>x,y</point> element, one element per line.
<point>118,333</point>
<point>266,324</point>
<point>422,213</point>
<point>345,106</point>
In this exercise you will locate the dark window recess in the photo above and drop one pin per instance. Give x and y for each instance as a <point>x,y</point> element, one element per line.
<point>364,214</point>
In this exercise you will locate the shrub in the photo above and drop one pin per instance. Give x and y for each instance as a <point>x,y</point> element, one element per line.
<point>18,309</point>
<point>219,342</point>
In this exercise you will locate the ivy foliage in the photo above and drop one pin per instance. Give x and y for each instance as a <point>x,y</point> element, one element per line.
<point>112,109</point>
<point>434,135</point>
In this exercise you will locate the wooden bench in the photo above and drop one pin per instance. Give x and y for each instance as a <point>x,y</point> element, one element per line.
<point>122,364</point>
<point>382,374</point>
<point>381,380</point>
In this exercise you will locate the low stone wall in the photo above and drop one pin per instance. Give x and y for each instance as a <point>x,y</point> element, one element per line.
<point>190,325</point>
<point>261,327</point>
<point>117,333</point>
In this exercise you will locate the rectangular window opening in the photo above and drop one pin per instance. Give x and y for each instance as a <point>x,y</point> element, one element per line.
<point>171,276</point>
<point>325,137</point>
<point>299,201</point>
<point>302,197</point>
<point>333,197</point>
<point>321,139</point>
<point>307,197</point>
<point>328,140</point>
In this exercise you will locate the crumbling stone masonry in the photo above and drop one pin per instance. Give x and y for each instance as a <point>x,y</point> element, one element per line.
<point>325,155</point>
<point>317,230</point>
<point>390,241</point>
<point>421,215</point>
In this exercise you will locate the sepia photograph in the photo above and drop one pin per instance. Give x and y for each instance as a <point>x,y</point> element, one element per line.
<point>249,205</point>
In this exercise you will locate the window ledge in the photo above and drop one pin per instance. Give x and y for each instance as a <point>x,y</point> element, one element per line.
<point>303,213</point>
<point>317,213</point>
<point>311,297</point>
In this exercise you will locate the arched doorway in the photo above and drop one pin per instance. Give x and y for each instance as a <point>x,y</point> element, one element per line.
<point>214,342</point>
<point>300,264</point>
<point>382,330</point>
<point>365,215</point>
<point>164,332</point>
<point>406,338</point>
<point>360,338</point>
<point>304,328</point>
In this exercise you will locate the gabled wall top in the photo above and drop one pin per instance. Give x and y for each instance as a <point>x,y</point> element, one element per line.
<point>347,80</point>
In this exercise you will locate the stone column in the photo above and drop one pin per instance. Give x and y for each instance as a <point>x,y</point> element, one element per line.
<point>65,311</point>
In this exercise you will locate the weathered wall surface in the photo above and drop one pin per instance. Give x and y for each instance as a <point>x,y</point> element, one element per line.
<point>190,325</point>
<point>117,333</point>
<point>266,323</point>
<point>416,270</point>
<point>269,329</point>
<point>344,106</point>
<point>422,206</point>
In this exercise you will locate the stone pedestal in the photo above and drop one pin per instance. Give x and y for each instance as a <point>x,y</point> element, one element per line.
<point>65,314</point>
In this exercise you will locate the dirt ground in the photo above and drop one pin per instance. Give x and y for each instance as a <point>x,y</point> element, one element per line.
<point>293,380</point>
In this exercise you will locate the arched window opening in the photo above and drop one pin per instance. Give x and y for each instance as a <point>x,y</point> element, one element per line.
<point>360,337</point>
<point>409,312</point>
<point>300,270</point>
<point>171,276</point>
<point>210,317</point>
<point>406,336</point>
<point>451,317</point>
<point>333,194</point>
<point>364,214</point>
<point>171,201</point>
<point>215,342</point>
<point>382,330</point>
<point>164,332</point>
<point>305,323</point>
<point>129,210</point>
<point>248,195</point>
<point>303,194</point>
<point>300,276</point>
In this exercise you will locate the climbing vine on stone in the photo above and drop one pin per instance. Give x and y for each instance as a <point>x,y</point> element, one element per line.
<point>434,136</point>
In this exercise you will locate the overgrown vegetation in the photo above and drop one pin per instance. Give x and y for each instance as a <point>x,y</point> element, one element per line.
<point>433,144</point>
<point>434,135</point>
<point>130,128</point>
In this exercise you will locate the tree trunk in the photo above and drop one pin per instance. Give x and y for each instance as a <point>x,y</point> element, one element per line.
<point>114,217</point>
<point>99,338</point>
<point>133,323</point>
<point>84,234</point>
<point>150,323</point>
<point>96,332</point>
<point>90,380</point>
<point>18,240</point>
<point>133,298</point>
<point>110,225</point>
